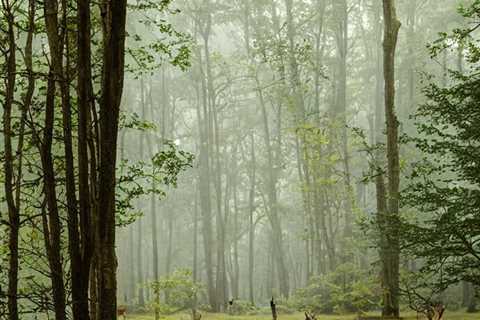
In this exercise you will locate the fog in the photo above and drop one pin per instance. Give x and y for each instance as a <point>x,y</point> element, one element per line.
<point>267,160</point>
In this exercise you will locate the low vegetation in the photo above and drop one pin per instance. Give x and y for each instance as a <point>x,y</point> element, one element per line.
<point>299,316</point>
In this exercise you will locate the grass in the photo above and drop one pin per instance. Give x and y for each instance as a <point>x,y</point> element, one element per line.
<point>299,316</point>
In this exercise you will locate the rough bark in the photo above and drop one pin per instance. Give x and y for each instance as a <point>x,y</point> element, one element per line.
<point>391,259</point>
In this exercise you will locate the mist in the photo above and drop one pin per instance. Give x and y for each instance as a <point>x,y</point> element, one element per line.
<point>242,159</point>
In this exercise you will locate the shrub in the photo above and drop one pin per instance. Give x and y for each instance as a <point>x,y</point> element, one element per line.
<point>347,289</point>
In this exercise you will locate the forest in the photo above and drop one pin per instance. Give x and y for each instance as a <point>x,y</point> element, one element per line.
<point>240,159</point>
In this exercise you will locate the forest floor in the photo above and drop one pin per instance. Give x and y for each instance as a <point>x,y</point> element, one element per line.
<point>406,316</point>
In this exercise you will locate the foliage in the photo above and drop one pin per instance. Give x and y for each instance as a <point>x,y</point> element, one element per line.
<point>143,178</point>
<point>445,183</point>
<point>181,290</point>
<point>242,307</point>
<point>347,289</point>
<point>164,44</point>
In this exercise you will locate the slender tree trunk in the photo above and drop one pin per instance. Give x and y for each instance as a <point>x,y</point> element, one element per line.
<point>53,225</point>
<point>154,224</point>
<point>203,117</point>
<point>140,272</point>
<point>168,260</point>
<point>8,165</point>
<point>81,246</point>
<point>221,277</point>
<point>195,251</point>
<point>341,108</point>
<point>273,202</point>
<point>236,263</point>
<point>391,261</point>
<point>251,225</point>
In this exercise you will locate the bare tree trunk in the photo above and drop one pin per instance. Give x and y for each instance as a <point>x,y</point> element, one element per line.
<point>168,260</point>
<point>154,224</point>
<point>195,251</point>
<point>235,264</point>
<point>114,22</point>
<point>8,165</point>
<point>221,277</point>
<point>391,259</point>
<point>341,108</point>
<point>53,227</point>
<point>273,202</point>
<point>251,225</point>
<point>131,264</point>
<point>140,272</point>
<point>203,117</point>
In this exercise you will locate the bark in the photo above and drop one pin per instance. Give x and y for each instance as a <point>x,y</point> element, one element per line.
<point>13,208</point>
<point>53,226</point>
<point>391,258</point>
<point>80,222</point>
<point>114,22</point>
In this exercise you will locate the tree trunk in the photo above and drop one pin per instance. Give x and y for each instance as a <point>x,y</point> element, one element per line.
<point>8,166</point>
<point>53,227</point>
<point>251,225</point>
<point>203,117</point>
<point>273,203</point>
<point>114,21</point>
<point>140,272</point>
<point>221,277</point>
<point>154,224</point>
<point>391,259</point>
<point>236,263</point>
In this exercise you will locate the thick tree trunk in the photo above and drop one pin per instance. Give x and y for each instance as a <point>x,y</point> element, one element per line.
<point>114,22</point>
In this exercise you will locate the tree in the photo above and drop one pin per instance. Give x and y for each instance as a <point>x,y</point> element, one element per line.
<point>389,206</point>
<point>444,183</point>
<point>114,19</point>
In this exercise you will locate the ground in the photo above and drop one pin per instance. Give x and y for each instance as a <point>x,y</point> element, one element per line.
<point>410,316</point>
